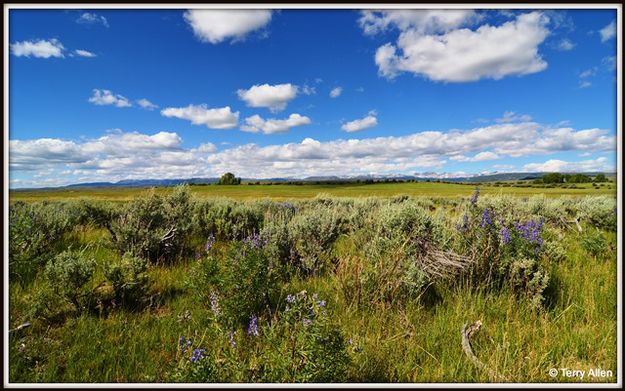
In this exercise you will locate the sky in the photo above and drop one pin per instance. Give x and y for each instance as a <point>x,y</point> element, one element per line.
<point>107,95</point>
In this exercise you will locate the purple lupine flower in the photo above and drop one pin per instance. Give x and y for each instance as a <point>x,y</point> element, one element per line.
<point>214,299</point>
<point>487,218</point>
<point>184,344</point>
<point>321,303</point>
<point>252,329</point>
<point>231,335</point>
<point>198,255</point>
<point>307,322</point>
<point>505,235</point>
<point>475,196</point>
<point>531,232</point>
<point>290,298</point>
<point>465,223</point>
<point>210,241</point>
<point>198,354</point>
<point>255,240</point>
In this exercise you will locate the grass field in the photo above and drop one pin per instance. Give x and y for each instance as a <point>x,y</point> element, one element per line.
<point>431,189</point>
<point>383,330</point>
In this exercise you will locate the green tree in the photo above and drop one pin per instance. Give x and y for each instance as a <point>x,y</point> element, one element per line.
<point>600,178</point>
<point>229,179</point>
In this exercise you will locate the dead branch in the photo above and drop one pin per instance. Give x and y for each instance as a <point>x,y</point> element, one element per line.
<point>467,332</point>
<point>20,327</point>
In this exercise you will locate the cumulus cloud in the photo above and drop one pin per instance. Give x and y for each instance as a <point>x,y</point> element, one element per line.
<point>361,124</point>
<point>275,97</point>
<point>146,104</point>
<point>120,155</point>
<point>215,26</point>
<point>92,18</point>
<point>479,157</point>
<point>336,92</point>
<point>256,124</point>
<point>437,48</point>
<point>424,21</point>
<point>554,165</point>
<point>84,53</point>
<point>41,48</point>
<point>219,118</point>
<point>106,98</point>
<point>608,32</point>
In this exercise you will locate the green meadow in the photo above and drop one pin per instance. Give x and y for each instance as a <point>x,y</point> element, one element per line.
<point>312,283</point>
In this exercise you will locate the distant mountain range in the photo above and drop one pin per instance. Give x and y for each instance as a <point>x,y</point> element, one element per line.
<point>428,176</point>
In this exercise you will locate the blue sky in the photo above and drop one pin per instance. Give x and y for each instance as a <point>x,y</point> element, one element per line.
<point>118,94</point>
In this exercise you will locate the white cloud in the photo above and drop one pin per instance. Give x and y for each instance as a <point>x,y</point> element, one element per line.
<point>215,26</point>
<point>219,118</point>
<point>91,18</point>
<point>106,97</point>
<point>41,48</point>
<point>120,155</point>
<point>441,52</point>
<point>308,90</point>
<point>274,97</point>
<point>608,32</point>
<point>565,45</point>
<point>361,124</point>
<point>479,157</point>
<point>146,104</point>
<point>588,73</point>
<point>553,165</point>
<point>336,92</point>
<point>511,116</point>
<point>256,124</point>
<point>584,84</point>
<point>424,21</point>
<point>84,53</point>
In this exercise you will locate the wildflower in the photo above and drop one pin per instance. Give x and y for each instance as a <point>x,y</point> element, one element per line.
<point>487,218</point>
<point>184,344</point>
<point>214,299</point>
<point>307,322</point>
<point>290,298</point>
<point>231,335</point>
<point>322,303</point>
<point>505,235</point>
<point>252,329</point>
<point>255,240</point>
<point>209,243</point>
<point>187,315</point>
<point>198,354</point>
<point>350,342</point>
<point>198,255</point>
<point>474,197</point>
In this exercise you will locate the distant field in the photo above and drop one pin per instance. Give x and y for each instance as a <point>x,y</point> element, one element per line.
<point>245,191</point>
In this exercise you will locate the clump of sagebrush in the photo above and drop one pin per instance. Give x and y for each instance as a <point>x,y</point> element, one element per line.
<point>35,231</point>
<point>601,212</point>
<point>312,233</point>
<point>594,243</point>
<point>227,219</point>
<point>504,252</point>
<point>96,213</point>
<point>126,281</point>
<point>395,249</point>
<point>154,227</point>
<point>242,284</point>
<point>67,275</point>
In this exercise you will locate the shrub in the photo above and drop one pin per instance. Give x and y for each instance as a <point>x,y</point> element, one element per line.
<point>601,212</point>
<point>312,233</point>
<point>241,286</point>
<point>154,227</point>
<point>34,232</point>
<point>127,279</point>
<point>227,219</point>
<point>304,345</point>
<point>68,273</point>
<point>594,243</point>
